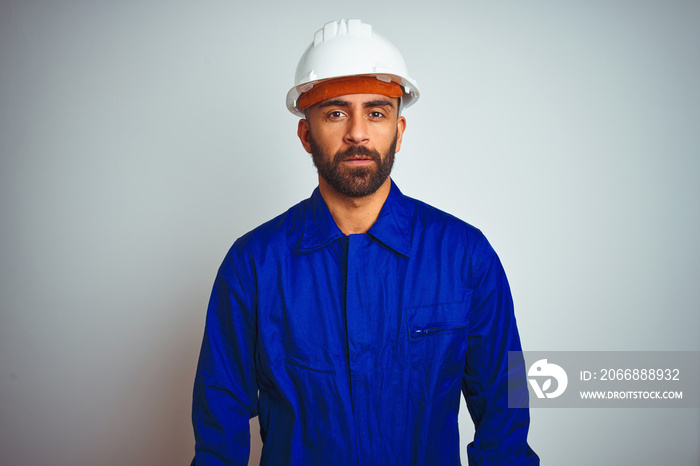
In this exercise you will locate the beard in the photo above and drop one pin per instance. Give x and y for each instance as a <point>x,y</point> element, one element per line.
<point>353,181</point>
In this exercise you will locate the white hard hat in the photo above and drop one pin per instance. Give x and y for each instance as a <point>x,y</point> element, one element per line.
<point>350,48</point>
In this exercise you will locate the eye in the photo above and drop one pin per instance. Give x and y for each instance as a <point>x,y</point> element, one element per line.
<point>376,114</point>
<point>335,115</point>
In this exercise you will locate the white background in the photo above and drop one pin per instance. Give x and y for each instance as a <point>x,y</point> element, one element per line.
<point>138,140</point>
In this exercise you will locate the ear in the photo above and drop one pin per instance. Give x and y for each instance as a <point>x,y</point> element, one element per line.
<point>400,128</point>
<point>303,133</point>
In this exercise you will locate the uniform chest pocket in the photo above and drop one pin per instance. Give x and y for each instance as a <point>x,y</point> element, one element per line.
<point>437,343</point>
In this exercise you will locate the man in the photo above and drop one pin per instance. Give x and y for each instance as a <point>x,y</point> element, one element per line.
<point>350,323</point>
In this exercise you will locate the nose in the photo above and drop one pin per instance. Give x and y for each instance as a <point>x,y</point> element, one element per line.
<point>356,130</point>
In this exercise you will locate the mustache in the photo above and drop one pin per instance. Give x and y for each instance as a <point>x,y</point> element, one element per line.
<point>354,151</point>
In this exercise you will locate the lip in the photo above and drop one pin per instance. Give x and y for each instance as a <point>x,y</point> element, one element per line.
<point>358,161</point>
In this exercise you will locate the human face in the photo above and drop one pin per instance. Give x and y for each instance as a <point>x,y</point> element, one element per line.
<point>352,140</point>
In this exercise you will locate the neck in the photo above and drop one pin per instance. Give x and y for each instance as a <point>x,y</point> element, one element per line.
<point>354,214</point>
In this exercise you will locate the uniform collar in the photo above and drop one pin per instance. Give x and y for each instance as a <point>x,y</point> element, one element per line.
<point>392,228</point>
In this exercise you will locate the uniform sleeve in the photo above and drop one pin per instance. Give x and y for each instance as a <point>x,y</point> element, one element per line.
<point>225,388</point>
<point>500,437</point>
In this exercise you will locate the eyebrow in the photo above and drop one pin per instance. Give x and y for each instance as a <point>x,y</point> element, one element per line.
<point>334,103</point>
<point>378,103</point>
<point>345,103</point>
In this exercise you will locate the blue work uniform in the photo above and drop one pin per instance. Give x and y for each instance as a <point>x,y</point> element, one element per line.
<point>353,349</point>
